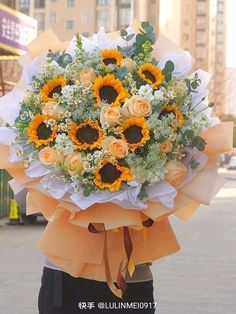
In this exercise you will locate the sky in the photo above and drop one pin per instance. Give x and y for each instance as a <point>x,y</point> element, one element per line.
<point>231,34</point>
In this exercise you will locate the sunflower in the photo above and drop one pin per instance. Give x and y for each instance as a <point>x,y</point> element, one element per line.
<point>86,135</point>
<point>110,90</point>
<point>150,74</point>
<point>173,109</point>
<point>52,86</point>
<point>110,175</point>
<point>135,132</point>
<point>111,56</point>
<point>39,132</point>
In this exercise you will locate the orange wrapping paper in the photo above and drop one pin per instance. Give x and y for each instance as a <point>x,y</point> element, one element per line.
<point>79,252</point>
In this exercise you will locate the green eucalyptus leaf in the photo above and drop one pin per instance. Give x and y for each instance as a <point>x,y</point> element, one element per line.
<point>168,69</point>
<point>87,191</point>
<point>194,164</point>
<point>169,66</point>
<point>199,143</point>
<point>147,27</point>
<point>189,134</point>
<point>143,194</point>
<point>123,33</point>
<point>129,37</point>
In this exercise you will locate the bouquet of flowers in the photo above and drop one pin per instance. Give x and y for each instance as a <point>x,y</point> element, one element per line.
<point>115,126</point>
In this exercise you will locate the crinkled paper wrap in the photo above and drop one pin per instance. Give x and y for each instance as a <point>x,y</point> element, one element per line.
<point>67,241</point>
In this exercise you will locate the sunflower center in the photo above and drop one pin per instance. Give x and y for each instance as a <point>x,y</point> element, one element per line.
<point>133,134</point>
<point>57,90</point>
<point>149,76</point>
<point>165,113</point>
<point>44,131</point>
<point>109,173</point>
<point>110,61</point>
<point>108,94</point>
<point>87,134</point>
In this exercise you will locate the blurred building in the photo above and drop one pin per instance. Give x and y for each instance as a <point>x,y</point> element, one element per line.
<point>17,30</point>
<point>231,91</point>
<point>200,28</point>
<point>9,3</point>
<point>69,16</point>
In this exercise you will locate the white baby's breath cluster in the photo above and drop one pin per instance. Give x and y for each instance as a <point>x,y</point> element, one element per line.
<point>63,144</point>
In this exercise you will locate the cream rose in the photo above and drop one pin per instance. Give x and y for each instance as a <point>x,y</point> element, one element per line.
<point>73,163</point>
<point>118,148</point>
<point>138,106</point>
<point>49,156</point>
<point>166,147</point>
<point>128,63</point>
<point>110,115</point>
<point>52,109</point>
<point>177,172</point>
<point>87,76</point>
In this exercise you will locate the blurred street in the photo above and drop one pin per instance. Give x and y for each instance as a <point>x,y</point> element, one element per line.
<point>201,278</point>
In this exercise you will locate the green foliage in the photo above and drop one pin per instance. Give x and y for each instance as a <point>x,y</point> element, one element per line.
<point>121,72</point>
<point>143,193</point>
<point>129,49</point>
<point>189,134</point>
<point>79,43</point>
<point>63,59</point>
<point>142,47</point>
<point>168,70</point>
<point>194,164</point>
<point>199,143</point>
<point>192,84</point>
<point>87,190</point>
<point>192,140</point>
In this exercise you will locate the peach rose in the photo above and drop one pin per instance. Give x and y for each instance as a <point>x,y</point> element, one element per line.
<point>52,109</point>
<point>128,63</point>
<point>165,147</point>
<point>110,115</point>
<point>177,172</point>
<point>87,76</point>
<point>118,148</point>
<point>73,163</point>
<point>138,106</point>
<point>49,156</point>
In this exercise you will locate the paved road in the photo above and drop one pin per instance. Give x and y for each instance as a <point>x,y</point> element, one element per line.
<point>200,279</point>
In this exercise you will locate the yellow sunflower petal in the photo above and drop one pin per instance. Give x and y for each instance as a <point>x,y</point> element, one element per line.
<point>110,175</point>
<point>86,135</point>
<point>177,113</point>
<point>135,132</point>
<point>52,86</point>
<point>39,133</point>
<point>111,56</point>
<point>110,90</point>
<point>150,74</point>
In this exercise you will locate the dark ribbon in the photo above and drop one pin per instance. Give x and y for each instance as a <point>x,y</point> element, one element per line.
<point>92,229</point>
<point>120,279</point>
<point>148,223</point>
<point>127,242</point>
<point>128,250</point>
<point>121,283</point>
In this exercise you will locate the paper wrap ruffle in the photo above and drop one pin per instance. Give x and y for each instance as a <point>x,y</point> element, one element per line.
<point>92,243</point>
